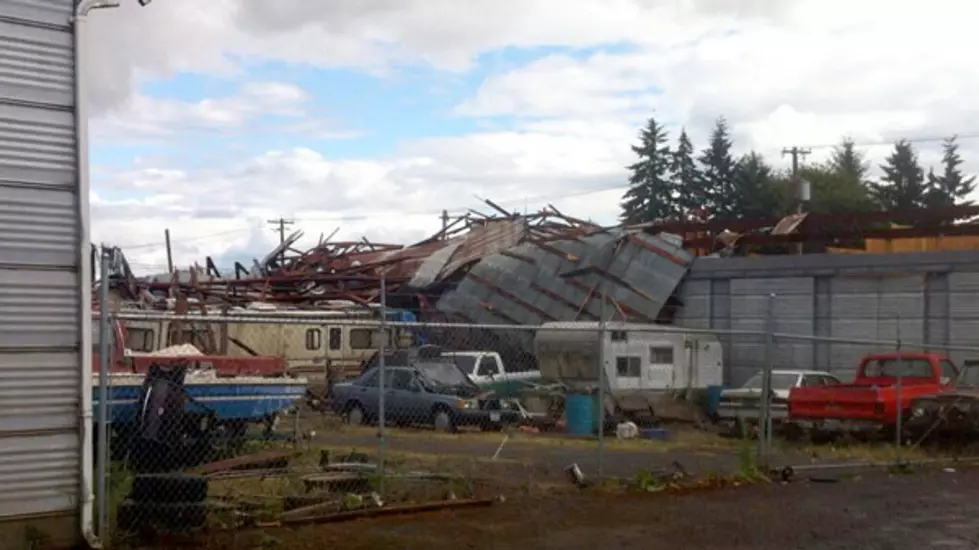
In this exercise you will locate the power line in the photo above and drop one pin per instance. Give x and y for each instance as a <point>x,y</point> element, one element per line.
<point>192,239</point>
<point>930,139</point>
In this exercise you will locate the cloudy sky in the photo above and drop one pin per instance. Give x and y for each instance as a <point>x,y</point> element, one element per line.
<point>212,117</point>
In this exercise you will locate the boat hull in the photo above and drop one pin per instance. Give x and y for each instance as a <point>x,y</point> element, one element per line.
<point>230,399</point>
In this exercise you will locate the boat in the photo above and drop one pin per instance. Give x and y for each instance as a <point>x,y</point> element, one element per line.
<point>229,399</point>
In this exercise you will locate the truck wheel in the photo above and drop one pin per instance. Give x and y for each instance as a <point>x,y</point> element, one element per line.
<point>443,422</point>
<point>355,415</point>
<point>168,488</point>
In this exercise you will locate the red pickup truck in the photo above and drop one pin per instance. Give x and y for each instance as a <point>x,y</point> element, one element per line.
<point>870,402</point>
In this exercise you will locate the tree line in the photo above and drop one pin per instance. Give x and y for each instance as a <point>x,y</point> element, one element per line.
<point>680,183</point>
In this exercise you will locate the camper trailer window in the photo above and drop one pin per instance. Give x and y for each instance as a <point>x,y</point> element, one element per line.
<point>314,338</point>
<point>336,338</point>
<point>140,339</point>
<point>662,355</point>
<point>628,366</point>
<point>360,338</point>
<point>363,338</point>
<point>619,336</point>
<point>195,337</point>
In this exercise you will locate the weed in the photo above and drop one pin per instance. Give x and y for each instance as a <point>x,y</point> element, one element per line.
<point>648,482</point>
<point>748,470</point>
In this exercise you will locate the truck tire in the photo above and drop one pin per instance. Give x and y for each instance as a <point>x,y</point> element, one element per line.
<point>132,516</point>
<point>168,488</point>
<point>442,420</point>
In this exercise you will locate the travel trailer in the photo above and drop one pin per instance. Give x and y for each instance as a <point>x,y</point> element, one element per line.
<point>645,370</point>
<point>327,343</point>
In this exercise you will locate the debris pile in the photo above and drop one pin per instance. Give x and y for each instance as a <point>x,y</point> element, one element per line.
<point>502,269</point>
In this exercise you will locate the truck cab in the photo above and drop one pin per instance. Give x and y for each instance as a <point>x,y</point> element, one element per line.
<point>488,371</point>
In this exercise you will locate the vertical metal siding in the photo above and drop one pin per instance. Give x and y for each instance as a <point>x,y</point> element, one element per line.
<point>40,443</point>
<point>935,295</point>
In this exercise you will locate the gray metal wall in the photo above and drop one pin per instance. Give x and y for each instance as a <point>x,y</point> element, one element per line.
<point>929,298</point>
<point>40,441</point>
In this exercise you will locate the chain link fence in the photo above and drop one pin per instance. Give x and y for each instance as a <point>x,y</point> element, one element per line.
<point>259,418</point>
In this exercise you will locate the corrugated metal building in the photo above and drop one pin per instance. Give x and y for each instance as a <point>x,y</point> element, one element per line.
<point>933,296</point>
<point>44,452</point>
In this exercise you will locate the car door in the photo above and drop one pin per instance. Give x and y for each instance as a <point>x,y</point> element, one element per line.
<point>398,397</point>
<point>364,391</point>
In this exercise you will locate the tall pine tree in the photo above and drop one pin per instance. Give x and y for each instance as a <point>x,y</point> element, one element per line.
<point>903,185</point>
<point>650,194</point>
<point>717,175</point>
<point>685,177</point>
<point>951,187</point>
<point>847,162</point>
<point>757,188</point>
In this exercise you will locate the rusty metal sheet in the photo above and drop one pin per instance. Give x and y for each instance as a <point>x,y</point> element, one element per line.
<point>491,238</point>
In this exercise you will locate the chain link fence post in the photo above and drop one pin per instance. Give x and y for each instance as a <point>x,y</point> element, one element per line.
<point>382,362</point>
<point>103,432</point>
<point>900,402</point>
<point>764,417</point>
<point>602,382</point>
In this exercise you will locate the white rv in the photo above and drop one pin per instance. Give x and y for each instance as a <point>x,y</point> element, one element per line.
<point>645,366</point>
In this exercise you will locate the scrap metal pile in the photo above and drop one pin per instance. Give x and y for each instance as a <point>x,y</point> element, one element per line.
<point>502,269</point>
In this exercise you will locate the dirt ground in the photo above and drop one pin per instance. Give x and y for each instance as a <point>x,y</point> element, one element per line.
<point>542,509</point>
<point>915,511</point>
<point>697,451</point>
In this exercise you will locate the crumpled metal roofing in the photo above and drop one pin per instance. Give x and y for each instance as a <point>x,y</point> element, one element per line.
<point>564,279</point>
<point>491,237</point>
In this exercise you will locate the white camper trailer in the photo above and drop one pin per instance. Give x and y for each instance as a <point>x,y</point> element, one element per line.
<point>643,367</point>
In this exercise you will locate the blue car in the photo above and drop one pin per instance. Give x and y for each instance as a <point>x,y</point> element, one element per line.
<point>427,391</point>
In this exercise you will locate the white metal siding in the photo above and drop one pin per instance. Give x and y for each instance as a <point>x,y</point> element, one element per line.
<point>40,283</point>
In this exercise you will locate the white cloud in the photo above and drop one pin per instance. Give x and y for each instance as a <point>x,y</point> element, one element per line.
<point>808,74</point>
<point>783,72</point>
<point>143,117</point>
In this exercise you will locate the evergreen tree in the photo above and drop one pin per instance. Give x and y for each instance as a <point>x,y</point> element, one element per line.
<point>650,194</point>
<point>951,187</point>
<point>847,162</point>
<point>685,177</point>
<point>717,175</point>
<point>903,185</point>
<point>757,187</point>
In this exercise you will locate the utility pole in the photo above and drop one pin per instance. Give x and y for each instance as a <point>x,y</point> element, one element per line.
<point>796,152</point>
<point>166,235</point>
<point>281,223</point>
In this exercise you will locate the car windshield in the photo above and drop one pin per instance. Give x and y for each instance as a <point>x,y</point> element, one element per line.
<point>443,374</point>
<point>780,381</point>
<point>466,363</point>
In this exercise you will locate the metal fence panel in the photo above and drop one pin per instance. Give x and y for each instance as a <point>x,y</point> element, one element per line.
<point>42,452</point>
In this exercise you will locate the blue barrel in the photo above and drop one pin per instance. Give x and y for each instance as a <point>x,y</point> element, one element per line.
<point>713,398</point>
<point>579,412</point>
